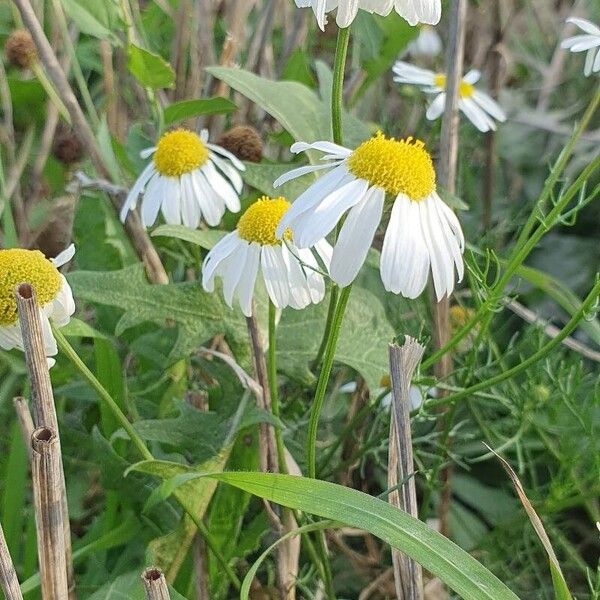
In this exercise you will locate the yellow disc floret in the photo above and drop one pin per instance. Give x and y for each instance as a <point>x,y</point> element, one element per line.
<point>259,222</point>
<point>179,152</point>
<point>25,266</point>
<point>397,166</point>
<point>465,90</point>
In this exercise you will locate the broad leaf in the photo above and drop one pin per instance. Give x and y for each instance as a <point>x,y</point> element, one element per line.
<point>98,19</point>
<point>188,109</point>
<point>150,69</point>
<point>205,238</point>
<point>261,176</point>
<point>127,587</point>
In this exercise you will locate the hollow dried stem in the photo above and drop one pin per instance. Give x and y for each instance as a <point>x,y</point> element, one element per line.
<point>8,576</point>
<point>404,360</point>
<point>25,421</point>
<point>155,584</point>
<point>42,396</point>
<point>47,497</point>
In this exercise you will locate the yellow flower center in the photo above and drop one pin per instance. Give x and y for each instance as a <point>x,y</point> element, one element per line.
<point>465,90</point>
<point>259,222</point>
<point>397,166</point>
<point>25,266</point>
<point>179,152</point>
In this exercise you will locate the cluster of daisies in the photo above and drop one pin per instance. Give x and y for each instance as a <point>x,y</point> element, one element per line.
<point>190,180</point>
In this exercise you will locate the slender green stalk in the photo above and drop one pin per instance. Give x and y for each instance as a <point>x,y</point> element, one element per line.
<point>337,90</point>
<point>518,256</point>
<point>272,374</point>
<point>337,129</point>
<point>68,350</point>
<point>317,406</point>
<point>49,89</point>
<point>585,307</point>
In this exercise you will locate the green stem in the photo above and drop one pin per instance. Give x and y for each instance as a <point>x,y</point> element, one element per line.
<point>337,130</point>
<point>518,256</point>
<point>585,307</point>
<point>337,90</point>
<point>272,374</point>
<point>68,350</point>
<point>317,406</point>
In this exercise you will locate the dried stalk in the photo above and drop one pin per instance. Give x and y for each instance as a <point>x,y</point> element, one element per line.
<point>155,584</point>
<point>200,559</point>
<point>44,411</point>
<point>47,496</point>
<point>25,421</point>
<point>133,224</point>
<point>447,177</point>
<point>404,360</point>
<point>8,576</point>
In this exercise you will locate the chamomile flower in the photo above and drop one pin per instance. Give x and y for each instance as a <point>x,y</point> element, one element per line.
<point>423,234</point>
<point>52,291</point>
<point>476,105</point>
<point>291,276</point>
<point>413,11</point>
<point>189,179</point>
<point>587,42</point>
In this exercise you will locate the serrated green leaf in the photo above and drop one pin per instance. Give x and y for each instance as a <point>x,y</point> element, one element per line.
<point>150,69</point>
<point>188,109</point>
<point>205,238</point>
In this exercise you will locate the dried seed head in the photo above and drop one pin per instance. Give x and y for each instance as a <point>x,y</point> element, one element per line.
<point>244,142</point>
<point>67,148</point>
<point>20,49</point>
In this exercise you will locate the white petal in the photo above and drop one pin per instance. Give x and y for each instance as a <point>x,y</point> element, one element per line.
<point>236,264</point>
<point>275,275</point>
<point>153,197</point>
<point>50,347</point>
<point>135,191</point>
<point>237,163</point>
<point>315,281</point>
<point>489,105</point>
<point>586,25</point>
<point>64,257</point>
<point>211,204</point>
<point>247,282</point>
<point>472,77</point>
<point>300,171</point>
<point>356,237</point>
<point>407,73</point>
<point>190,207</point>
<point>171,204</point>
<point>63,306</point>
<point>230,172</point>
<point>476,115</point>
<point>314,225</point>
<point>147,152</point>
<point>323,146</point>
<point>218,253</point>
<point>299,293</point>
<point>436,108</point>
<point>220,185</point>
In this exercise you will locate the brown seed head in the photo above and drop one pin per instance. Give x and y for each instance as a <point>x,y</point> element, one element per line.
<point>67,148</point>
<point>244,142</point>
<point>20,49</point>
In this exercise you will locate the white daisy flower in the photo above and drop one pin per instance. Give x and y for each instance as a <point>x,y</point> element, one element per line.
<point>477,106</point>
<point>588,42</point>
<point>423,234</point>
<point>413,11</point>
<point>290,275</point>
<point>427,44</point>
<point>52,291</point>
<point>187,180</point>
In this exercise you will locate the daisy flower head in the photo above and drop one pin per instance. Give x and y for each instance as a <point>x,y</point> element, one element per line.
<point>291,276</point>
<point>413,11</point>
<point>187,180</point>
<point>423,233</point>
<point>53,295</point>
<point>588,42</point>
<point>476,105</point>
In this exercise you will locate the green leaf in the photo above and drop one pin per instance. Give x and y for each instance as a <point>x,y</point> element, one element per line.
<point>98,19</point>
<point>205,238</point>
<point>150,69</point>
<point>455,567</point>
<point>127,587</point>
<point>261,176</point>
<point>199,314</point>
<point>80,329</point>
<point>188,109</point>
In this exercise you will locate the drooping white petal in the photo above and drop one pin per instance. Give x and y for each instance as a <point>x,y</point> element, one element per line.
<point>235,266</point>
<point>436,108</point>
<point>489,105</point>
<point>275,275</point>
<point>299,294</point>
<point>323,146</point>
<point>347,10</point>
<point>171,204</point>
<point>138,186</point>
<point>309,228</point>
<point>230,172</point>
<point>245,290</point>
<point>219,252</point>
<point>64,257</point>
<point>220,185</point>
<point>211,204</point>
<point>586,25</point>
<point>472,77</point>
<point>190,207</point>
<point>50,347</point>
<point>153,197</point>
<point>237,163</point>
<point>476,115</point>
<point>356,237</point>
<point>300,171</point>
<point>63,306</point>
<point>314,280</point>
<point>449,238</point>
<point>407,73</point>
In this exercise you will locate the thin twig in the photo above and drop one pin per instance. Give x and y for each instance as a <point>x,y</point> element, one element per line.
<point>25,421</point>
<point>44,411</point>
<point>155,584</point>
<point>447,177</point>
<point>404,360</point>
<point>47,495</point>
<point>133,224</point>
<point>8,576</point>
